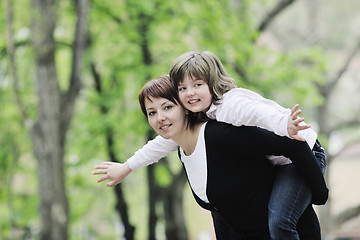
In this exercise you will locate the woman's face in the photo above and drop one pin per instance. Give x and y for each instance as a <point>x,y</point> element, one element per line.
<point>165,117</point>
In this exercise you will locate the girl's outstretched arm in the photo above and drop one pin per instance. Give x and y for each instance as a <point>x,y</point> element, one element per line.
<point>244,107</point>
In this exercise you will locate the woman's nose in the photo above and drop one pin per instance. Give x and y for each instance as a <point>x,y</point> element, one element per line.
<point>161,117</point>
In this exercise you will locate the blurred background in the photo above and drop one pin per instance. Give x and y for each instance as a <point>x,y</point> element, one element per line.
<point>70,72</point>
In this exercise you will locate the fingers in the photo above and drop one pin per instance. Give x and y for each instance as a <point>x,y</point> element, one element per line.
<point>105,168</point>
<point>103,178</point>
<point>297,121</point>
<point>303,127</point>
<point>299,138</point>
<point>101,167</point>
<point>111,184</point>
<point>97,172</point>
<point>293,110</point>
<point>104,165</point>
<point>107,163</point>
<point>300,127</point>
<point>296,114</point>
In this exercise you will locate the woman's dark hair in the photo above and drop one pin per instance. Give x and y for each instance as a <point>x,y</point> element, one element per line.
<point>162,87</point>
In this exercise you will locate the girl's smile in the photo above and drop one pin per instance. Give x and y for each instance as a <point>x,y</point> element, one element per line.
<point>195,94</point>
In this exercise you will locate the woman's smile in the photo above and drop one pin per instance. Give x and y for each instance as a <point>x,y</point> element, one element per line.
<point>165,117</point>
<point>165,127</point>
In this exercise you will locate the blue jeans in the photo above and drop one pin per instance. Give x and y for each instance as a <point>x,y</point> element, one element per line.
<point>290,212</point>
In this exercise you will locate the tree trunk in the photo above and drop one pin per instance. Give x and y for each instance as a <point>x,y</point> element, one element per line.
<point>121,205</point>
<point>175,227</point>
<point>152,197</point>
<point>152,203</point>
<point>45,134</point>
<point>54,114</point>
<point>122,208</point>
<point>153,189</point>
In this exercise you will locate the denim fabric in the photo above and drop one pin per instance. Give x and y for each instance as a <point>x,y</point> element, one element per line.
<point>289,199</point>
<point>290,210</point>
<point>319,153</point>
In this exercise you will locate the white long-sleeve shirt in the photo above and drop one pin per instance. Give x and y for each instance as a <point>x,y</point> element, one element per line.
<point>238,107</point>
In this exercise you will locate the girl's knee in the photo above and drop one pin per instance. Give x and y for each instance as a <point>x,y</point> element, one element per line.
<point>282,228</point>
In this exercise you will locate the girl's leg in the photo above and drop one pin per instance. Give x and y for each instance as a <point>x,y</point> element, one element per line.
<point>289,198</point>
<point>319,153</point>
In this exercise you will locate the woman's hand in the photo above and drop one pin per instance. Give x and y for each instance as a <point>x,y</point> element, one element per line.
<point>117,172</point>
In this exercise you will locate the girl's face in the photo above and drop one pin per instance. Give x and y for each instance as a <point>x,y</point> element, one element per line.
<point>195,94</point>
<point>165,117</point>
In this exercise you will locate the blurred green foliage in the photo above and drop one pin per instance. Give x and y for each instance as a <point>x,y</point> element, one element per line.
<point>118,33</point>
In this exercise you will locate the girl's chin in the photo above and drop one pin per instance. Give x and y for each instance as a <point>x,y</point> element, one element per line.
<point>196,109</point>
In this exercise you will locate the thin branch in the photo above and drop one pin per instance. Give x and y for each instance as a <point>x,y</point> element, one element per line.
<point>79,46</point>
<point>107,12</point>
<point>121,204</point>
<point>347,215</point>
<point>281,5</point>
<point>346,124</point>
<point>325,90</point>
<point>346,146</point>
<point>68,100</point>
<point>344,68</point>
<point>4,52</point>
<point>12,64</point>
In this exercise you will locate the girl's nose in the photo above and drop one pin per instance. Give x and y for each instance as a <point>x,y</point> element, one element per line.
<point>190,92</point>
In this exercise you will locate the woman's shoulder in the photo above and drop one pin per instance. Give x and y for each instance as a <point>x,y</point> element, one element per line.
<point>217,127</point>
<point>221,130</point>
<point>213,123</point>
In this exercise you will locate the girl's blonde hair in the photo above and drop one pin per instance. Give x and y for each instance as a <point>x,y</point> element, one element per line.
<point>206,66</point>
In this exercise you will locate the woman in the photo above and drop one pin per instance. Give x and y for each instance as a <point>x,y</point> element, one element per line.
<point>226,166</point>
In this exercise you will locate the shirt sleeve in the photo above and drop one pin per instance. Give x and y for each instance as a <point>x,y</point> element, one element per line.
<point>152,152</point>
<point>244,107</point>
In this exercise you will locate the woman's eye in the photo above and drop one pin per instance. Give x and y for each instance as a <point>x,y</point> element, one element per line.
<point>168,107</point>
<point>151,113</point>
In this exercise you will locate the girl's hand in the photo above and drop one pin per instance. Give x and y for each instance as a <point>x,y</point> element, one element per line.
<point>294,124</point>
<point>117,172</point>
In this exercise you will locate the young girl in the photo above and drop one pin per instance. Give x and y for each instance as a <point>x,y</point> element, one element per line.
<point>204,86</point>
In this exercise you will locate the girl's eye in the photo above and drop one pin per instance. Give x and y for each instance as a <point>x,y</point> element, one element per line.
<point>180,89</point>
<point>198,84</point>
